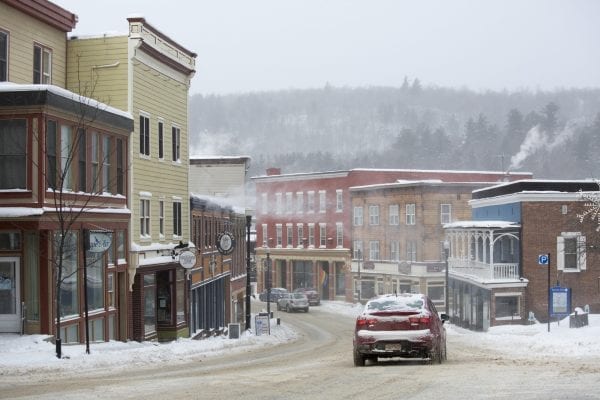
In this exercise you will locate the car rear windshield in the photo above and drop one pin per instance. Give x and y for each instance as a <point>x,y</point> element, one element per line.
<point>400,303</point>
<point>298,296</point>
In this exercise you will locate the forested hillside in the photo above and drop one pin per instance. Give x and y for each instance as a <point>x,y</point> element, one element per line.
<point>552,134</point>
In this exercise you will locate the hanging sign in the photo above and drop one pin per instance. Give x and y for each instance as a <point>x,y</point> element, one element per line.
<point>98,241</point>
<point>225,243</point>
<point>187,259</point>
<point>560,304</point>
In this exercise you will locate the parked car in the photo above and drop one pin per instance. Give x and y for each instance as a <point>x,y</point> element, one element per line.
<point>314,298</point>
<point>276,293</point>
<point>400,325</point>
<point>293,302</point>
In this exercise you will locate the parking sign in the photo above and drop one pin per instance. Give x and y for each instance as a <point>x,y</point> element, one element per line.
<point>543,259</point>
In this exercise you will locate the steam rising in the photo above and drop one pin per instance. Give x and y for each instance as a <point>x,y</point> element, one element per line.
<point>537,139</point>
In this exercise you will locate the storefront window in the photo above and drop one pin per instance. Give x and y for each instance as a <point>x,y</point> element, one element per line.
<point>340,283</point>
<point>507,307</point>
<point>164,287</point>
<point>180,289</point>
<point>69,304</point>
<point>149,304</point>
<point>95,280</point>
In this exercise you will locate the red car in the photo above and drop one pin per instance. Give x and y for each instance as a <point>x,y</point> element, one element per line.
<point>400,325</point>
<point>314,299</point>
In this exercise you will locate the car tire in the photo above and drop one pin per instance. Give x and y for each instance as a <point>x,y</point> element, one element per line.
<point>306,309</point>
<point>359,359</point>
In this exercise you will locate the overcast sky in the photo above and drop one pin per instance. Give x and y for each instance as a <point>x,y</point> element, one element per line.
<point>256,45</point>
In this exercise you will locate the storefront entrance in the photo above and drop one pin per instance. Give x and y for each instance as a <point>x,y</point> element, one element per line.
<point>10,306</point>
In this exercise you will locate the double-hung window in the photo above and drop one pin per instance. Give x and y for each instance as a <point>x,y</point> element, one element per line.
<point>3,56</point>
<point>339,201</point>
<point>394,214</point>
<point>13,158</point>
<point>374,250</point>
<point>42,65</point>
<point>373,215</point>
<point>145,217</point>
<point>161,218</point>
<point>339,233</point>
<point>300,228</point>
<point>322,234</point>
<point>358,216</point>
<point>144,135</point>
<point>410,214</point>
<point>322,201</point>
<point>176,143</point>
<point>106,158</point>
<point>177,230</point>
<point>445,213</point>
<point>161,141</point>
<point>571,250</point>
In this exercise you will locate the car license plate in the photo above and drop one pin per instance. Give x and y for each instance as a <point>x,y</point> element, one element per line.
<point>393,347</point>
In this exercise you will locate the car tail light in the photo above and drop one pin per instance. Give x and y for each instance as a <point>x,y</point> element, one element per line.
<point>419,322</point>
<point>363,323</point>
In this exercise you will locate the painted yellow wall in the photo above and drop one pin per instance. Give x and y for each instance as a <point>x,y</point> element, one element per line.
<point>23,32</point>
<point>97,67</point>
<point>160,97</point>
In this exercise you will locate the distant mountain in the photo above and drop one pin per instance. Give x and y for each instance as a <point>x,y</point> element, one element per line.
<point>552,134</point>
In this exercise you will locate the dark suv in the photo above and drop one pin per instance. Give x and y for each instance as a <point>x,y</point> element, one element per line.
<point>314,299</point>
<point>403,325</point>
<point>275,294</point>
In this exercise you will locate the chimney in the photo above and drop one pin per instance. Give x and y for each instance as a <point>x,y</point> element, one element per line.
<point>273,171</point>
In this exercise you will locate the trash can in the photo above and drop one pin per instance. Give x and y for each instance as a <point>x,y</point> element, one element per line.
<point>578,320</point>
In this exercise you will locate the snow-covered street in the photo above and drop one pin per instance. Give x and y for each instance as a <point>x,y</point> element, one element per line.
<point>36,354</point>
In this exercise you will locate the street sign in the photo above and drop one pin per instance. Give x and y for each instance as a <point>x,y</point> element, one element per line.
<point>560,301</point>
<point>187,259</point>
<point>543,259</point>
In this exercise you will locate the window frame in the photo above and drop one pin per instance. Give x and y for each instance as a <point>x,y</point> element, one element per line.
<point>339,200</point>
<point>145,218</point>
<point>161,139</point>
<point>144,127</point>
<point>43,74</point>
<point>5,37</point>
<point>373,214</point>
<point>445,216</point>
<point>411,214</point>
<point>177,219</point>
<point>176,144</point>
<point>394,214</point>
<point>579,253</point>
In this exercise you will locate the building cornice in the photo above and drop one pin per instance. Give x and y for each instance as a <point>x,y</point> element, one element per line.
<point>46,12</point>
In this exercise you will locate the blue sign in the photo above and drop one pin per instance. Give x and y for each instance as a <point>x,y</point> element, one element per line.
<point>560,301</point>
<point>543,259</point>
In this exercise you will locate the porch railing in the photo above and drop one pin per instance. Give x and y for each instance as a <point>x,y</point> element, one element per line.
<point>484,271</point>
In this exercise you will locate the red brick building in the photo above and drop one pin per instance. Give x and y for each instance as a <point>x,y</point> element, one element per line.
<point>304,223</point>
<point>495,273</point>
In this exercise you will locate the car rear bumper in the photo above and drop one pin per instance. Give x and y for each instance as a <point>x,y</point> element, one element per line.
<point>411,344</point>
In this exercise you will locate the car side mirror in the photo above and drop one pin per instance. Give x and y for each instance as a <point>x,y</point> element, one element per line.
<point>444,317</point>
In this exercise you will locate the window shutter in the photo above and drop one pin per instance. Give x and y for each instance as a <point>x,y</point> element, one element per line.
<point>581,253</point>
<point>560,253</point>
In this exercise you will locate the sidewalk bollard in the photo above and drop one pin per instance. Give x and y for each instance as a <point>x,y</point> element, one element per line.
<point>278,321</point>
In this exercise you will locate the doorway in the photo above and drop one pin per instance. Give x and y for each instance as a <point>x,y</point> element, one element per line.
<point>10,296</point>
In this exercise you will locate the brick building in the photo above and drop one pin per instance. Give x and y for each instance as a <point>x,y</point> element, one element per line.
<point>495,275</point>
<point>304,223</point>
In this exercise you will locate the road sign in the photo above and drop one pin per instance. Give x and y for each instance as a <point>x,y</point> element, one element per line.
<point>543,259</point>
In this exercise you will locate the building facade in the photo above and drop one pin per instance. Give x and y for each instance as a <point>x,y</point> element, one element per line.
<point>398,235</point>
<point>62,175</point>
<point>148,74</point>
<point>218,281</point>
<point>304,224</point>
<point>494,268</point>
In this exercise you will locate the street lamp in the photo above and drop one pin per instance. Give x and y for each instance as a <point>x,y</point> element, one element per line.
<point>248,224</point>
<point>446,254</point>
<point>359,255</point>
<point>268,283</point>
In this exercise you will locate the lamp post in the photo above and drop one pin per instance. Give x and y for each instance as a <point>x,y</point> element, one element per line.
<point>359,255</point>
<point>447,254</point>
<point>248,224</point>
<point>268,283</point>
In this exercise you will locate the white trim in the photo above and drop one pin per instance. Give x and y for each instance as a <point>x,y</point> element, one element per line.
<point>507,294</point>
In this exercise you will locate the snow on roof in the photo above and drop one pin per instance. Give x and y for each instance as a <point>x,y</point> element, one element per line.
<point>482,224</point>
<point>15,212</point>
<point>14,87</point>
<point>225,202</point>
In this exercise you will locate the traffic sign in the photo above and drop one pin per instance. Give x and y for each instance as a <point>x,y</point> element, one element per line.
<point>543,259</point>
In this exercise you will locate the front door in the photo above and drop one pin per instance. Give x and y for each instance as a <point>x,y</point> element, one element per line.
<point>10,299</point>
